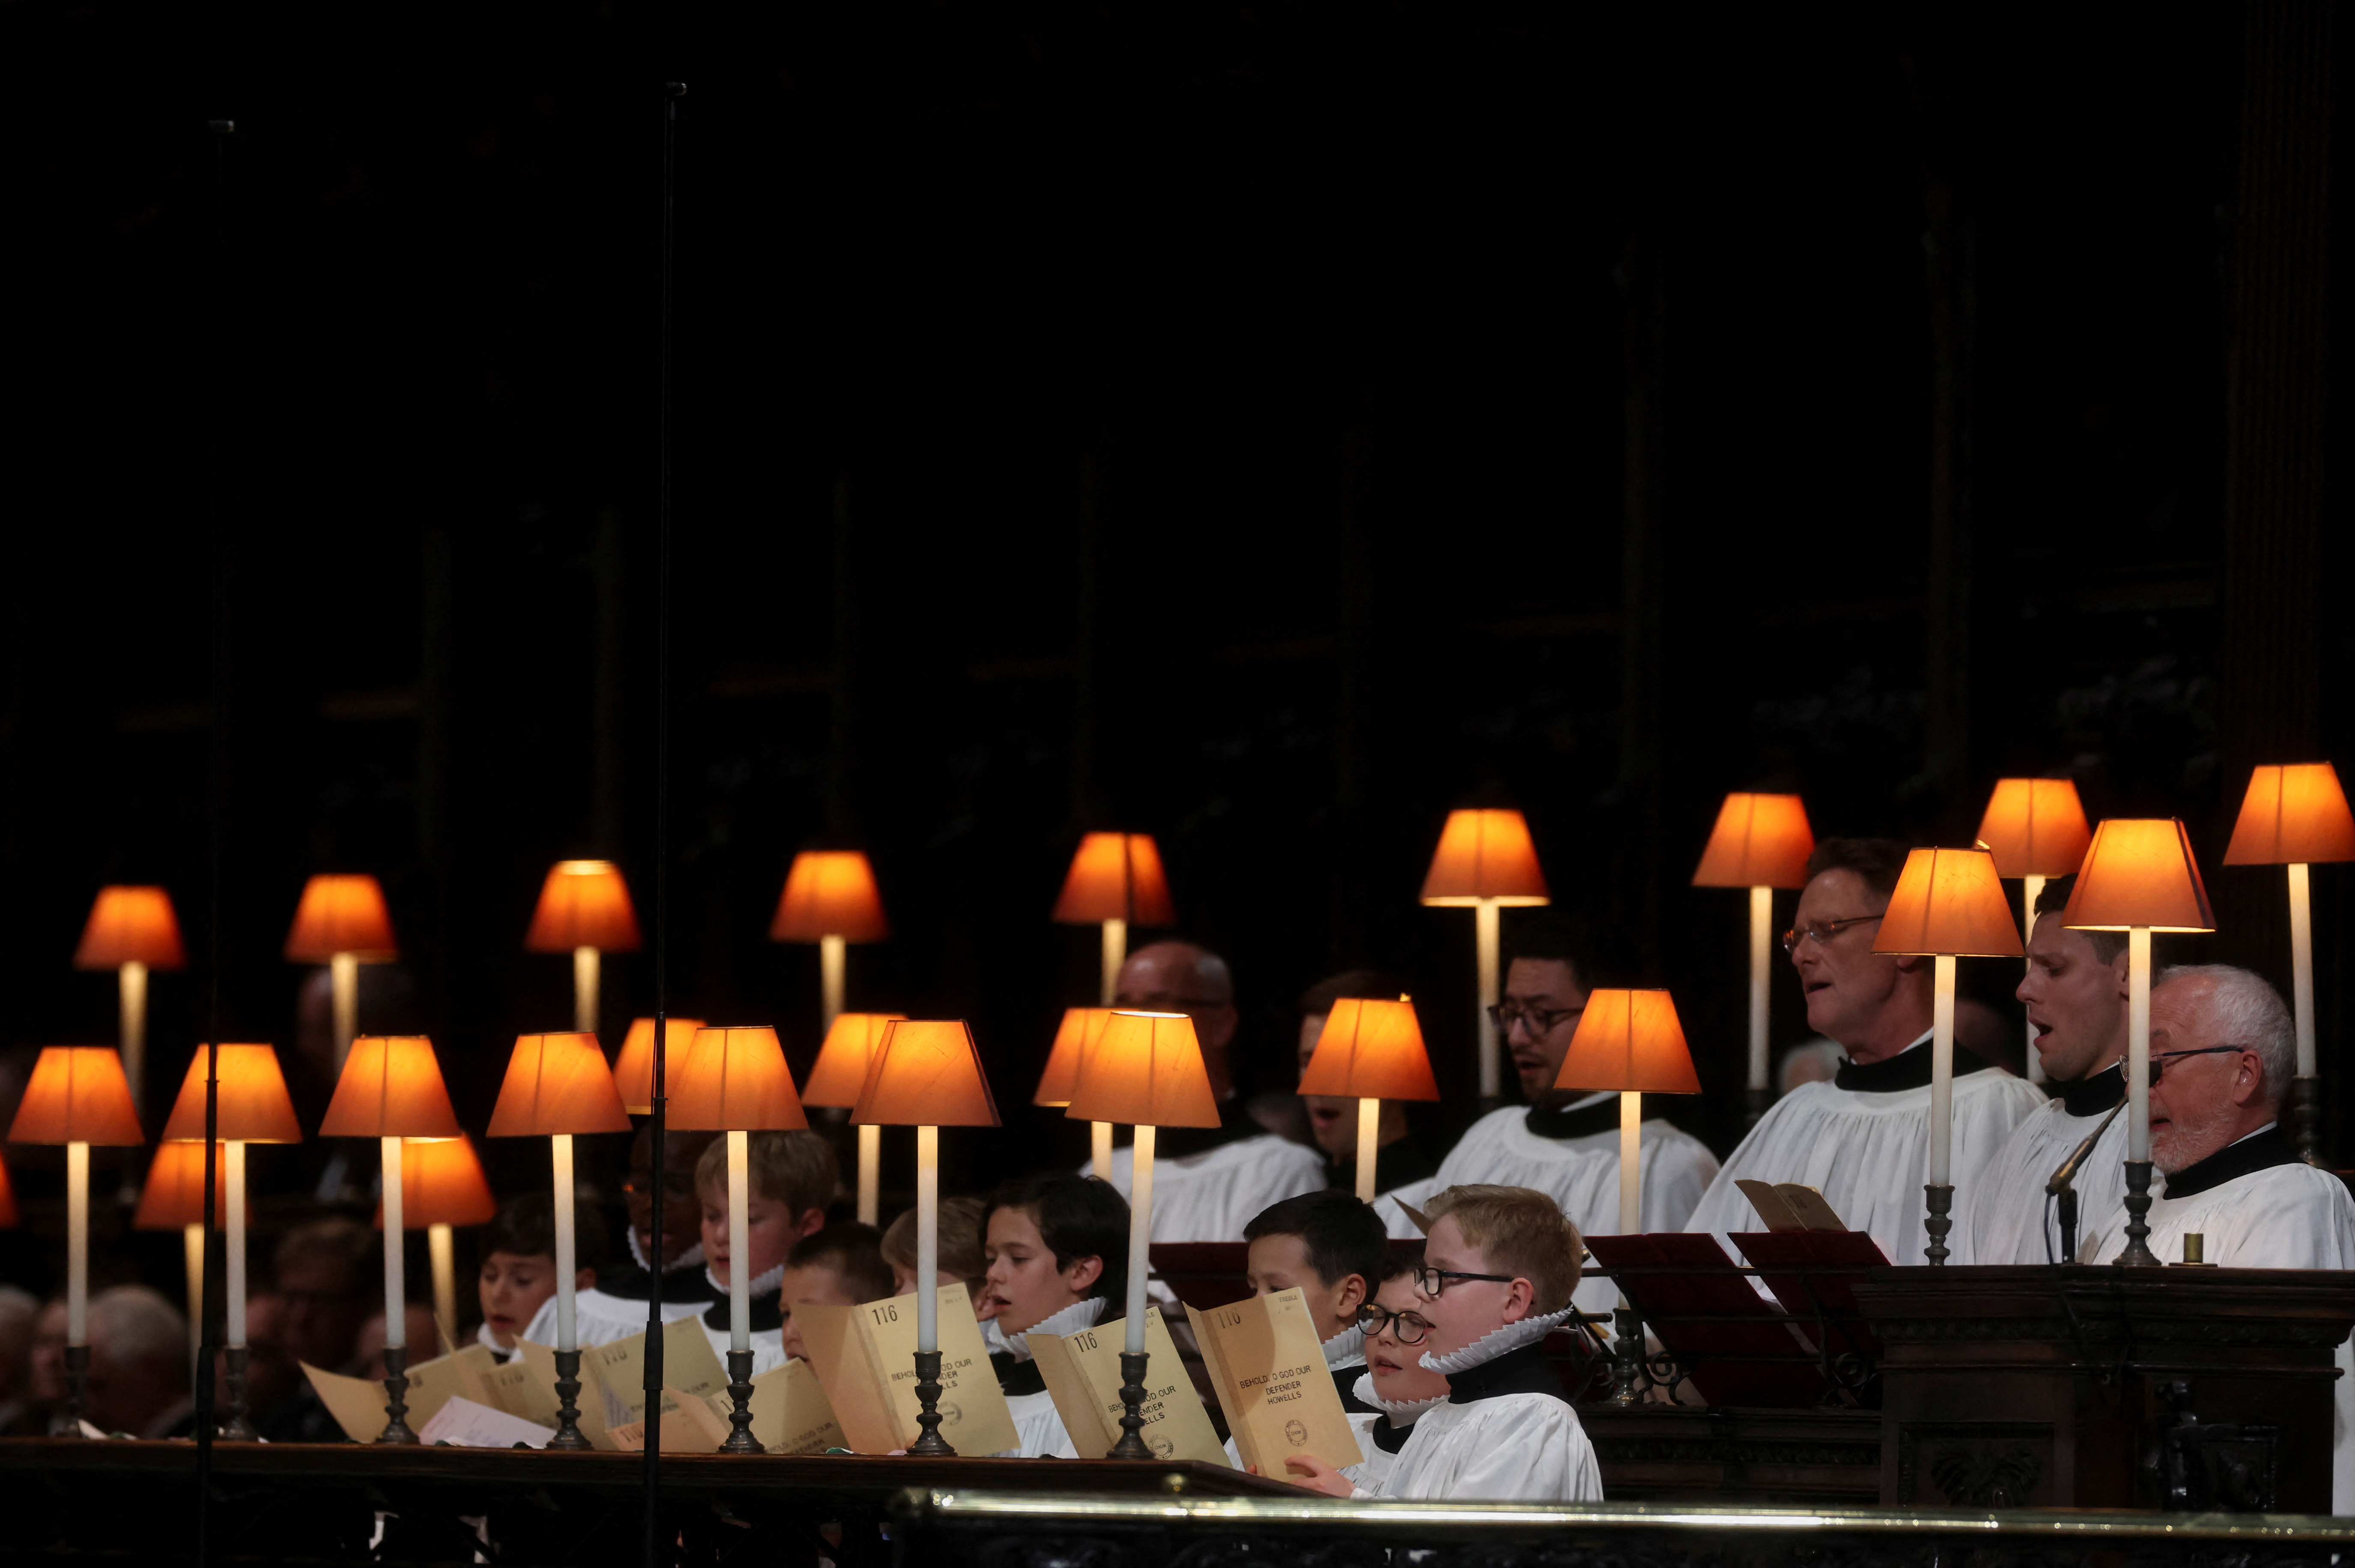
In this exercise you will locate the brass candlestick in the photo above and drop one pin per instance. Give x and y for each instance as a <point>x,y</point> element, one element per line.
<point>2138,1253</point>
<point>236,1428</point>
<point>929,1443</point>
<point>1132,1408</point>
<point>1627,1358</point>
<point>568,1402</point>
<point>396,1392</point>
<point>1942,1200</point>
<point>739,1395</point>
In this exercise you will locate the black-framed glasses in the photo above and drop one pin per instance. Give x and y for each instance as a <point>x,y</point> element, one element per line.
<point>1823,931</point>
<point>1431,1281</point>
<point>1406,1327</point>
<point>1541,1020</point>
<point>2158,1059</point>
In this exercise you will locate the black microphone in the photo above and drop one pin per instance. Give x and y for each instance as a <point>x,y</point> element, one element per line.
<point>2068,1171</point>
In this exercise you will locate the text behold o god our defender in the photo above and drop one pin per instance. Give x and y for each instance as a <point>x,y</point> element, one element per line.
<point>1267,1367</point>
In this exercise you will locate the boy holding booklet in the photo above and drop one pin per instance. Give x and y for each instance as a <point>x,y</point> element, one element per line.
<point>1057,1253</point>
<point>793,1176</point>
<point>841,1265</point>
<point>1332,1249</point>
<point>1499,1264</point>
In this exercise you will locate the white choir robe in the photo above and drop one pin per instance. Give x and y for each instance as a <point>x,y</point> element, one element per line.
<point>2005,1216</point>
<point>1868,1154</point>
<point>1513,1447</point>
<point>599,1319</point>
<point>1368,1474</point>
<point>768,1345</point>
<point>1038,1429</point>
<point>1211,1196</point>
<point>2284,1216</point>
<point>1580,1175</point>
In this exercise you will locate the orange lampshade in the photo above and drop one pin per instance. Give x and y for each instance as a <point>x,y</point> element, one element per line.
<point>2035,827</point>
<point>1074,1038</point>
<point>254,1105</point>
<point>1629,1040</point>
<point>175,1194</point>
<point>131,926</point>
<point>842,1062</point>
<point>441,1184</point>
<point>634,1069</point>
<point>2139,872</point>
<point>830,892</point>
<point>583,904</point>
<point>557,1083</point>
<point>735,1080</point>
<point>391,1088</point>
<point>1370,1050</point>
<point>77,1094</point>
<point>9,1220</point>
<point>926,1072</point>
<point>1949,901</point>
<point>1760,841</point>
<point>2294,813</point>
<point>1485,855</point>
<point>341,915</point>
<point>1116,877</point>
<point>1146,1071</point>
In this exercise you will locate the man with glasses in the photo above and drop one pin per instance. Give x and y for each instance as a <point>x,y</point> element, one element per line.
<point>1862,1139</point>
<point>2076,990</point>
<point>1563,1142</point>
<point>1206,1182</point>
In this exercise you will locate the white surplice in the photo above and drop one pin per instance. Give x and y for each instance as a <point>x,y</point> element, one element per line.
<point>599,1319</point>
<point>2006,1216</point>
<point>1505,1434</point>
<point>1211,1196</point>
<point>1868,1153</point>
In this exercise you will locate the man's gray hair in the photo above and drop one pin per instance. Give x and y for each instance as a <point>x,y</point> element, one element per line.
<point>141,1328</point>
<point>2244,1009</point>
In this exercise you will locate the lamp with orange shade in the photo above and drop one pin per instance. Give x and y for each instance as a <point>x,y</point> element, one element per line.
<point>131,930</point>
<point>831,898</point>
<point>441,1186</point>
<point>1486,862</point>
<point>1949,903</point>
<point>584,909</point>
<point>77,1096</point>
<point>1760,842</point>
<point>174,1200</point>
<point>251,1106</point>
<point>2294,815</point>
<point>1074,1037</point>
<point>342,922</point>
<point>634,1069</point>
<point>2035,828</point>
<point>391,1089</point>
<point>2139,875</point>
<point>1147,1070</point>
<point>735,1081</point>
<point>558,1086</point>
<point>926,1074</point>
<point>835,1080</point>
<point>1370,1051</point>
<point>1116,881</point>
<point>1629,1041</point>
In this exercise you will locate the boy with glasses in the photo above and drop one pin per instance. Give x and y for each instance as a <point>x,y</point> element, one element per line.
<point>1499,1266</point>
<point>1397,1389</point>
<point>1563,1143</point>
<point>1862,1139</point>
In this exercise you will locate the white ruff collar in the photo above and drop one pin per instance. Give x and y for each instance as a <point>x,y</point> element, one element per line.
<point>687,1259</point>
<point>1501,1342</point>
<point>1401,1412</point>
<point>763,1284</point>
<point>1346,1349</point>
<point>1070,1320</point>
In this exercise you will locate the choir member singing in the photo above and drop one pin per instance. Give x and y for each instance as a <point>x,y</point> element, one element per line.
<point>1057,1250</point>
<point>1397,1388</point>
<point>518,1273</point>
<point>1399,1157</point>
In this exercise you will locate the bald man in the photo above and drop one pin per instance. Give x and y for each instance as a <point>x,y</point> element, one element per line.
<point>1207,1181</point>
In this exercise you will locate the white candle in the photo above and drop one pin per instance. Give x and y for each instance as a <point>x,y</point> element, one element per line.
<point>2032,889</point>
<point>1487,933</point>
<point>233,1154</point>
<point>1099,1147</point>
<point>1762,939</point>
<point>343,982</point>
<point>1115,953</point>
<point>831,953</point>
<point>1370,1137</point>
<point>928,1239</point>
<point>2301,966</point>
<point>395,1279</point>
<point>1140,1239</point>
<point>134,1029</point>
<point>77,1243</point>
<point>561,1155</point>
<point>1942,1074</point>
<point>1631,1168</point>
<point>870,1173</point>
<point>2139,1044</point>
<point>739,1247</point>
<point>584,990</point>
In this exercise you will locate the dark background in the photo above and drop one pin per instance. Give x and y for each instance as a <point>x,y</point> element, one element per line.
<point>1264,427</point>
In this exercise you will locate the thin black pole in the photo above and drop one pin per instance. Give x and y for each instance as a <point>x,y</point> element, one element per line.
<point>672,92</point>
<point>208,1283</point>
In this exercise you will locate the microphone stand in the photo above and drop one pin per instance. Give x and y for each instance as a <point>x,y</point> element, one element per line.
<point>2062,1186</point>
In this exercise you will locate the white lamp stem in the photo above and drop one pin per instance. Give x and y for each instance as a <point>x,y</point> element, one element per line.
<point>559,1149</point>
<point>2301,966</point>
<point>395,1280</point>
<point>1631,1162</point>
<point>928,1239</point>
<point>1370,1137</point>
<point>585,975</point>
<point>233,1177</point>
<point>833,954</point>
<point>740,1269</point>
<point>1140,1240</point>
<point>870,1174</point>
<point>2137,1045</point>
<point>1487,931</point>
<point>77,1243</point>
<point>192,1242</point>
<point>1115,953</point>
<point>344,985</point>
<point>442,1257</point>
<point>134,1029</point>
<point>1761,942</point>
<point>1099,1147</point>
<point>2031,888</point>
